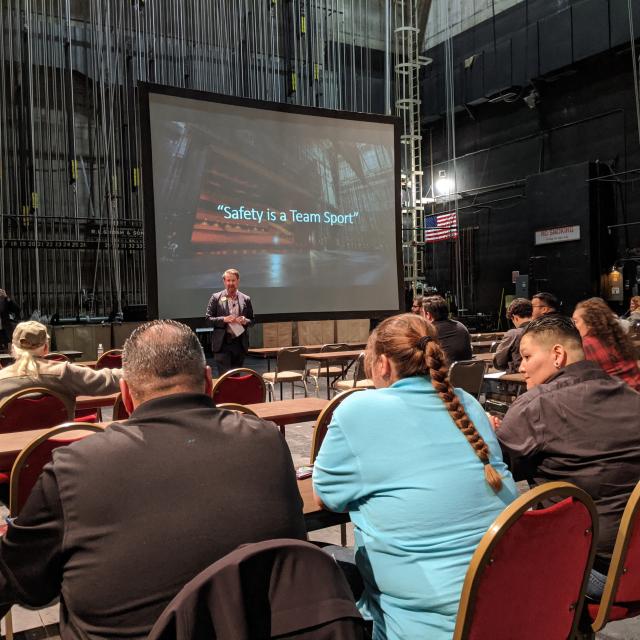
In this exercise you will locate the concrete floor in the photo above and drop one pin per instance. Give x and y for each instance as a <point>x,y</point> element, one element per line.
<point>33,625</point>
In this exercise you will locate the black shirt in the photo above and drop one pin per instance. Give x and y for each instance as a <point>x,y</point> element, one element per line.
<point>454,339</point>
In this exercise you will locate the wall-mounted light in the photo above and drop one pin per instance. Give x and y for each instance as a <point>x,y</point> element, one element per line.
<point>444,185</point>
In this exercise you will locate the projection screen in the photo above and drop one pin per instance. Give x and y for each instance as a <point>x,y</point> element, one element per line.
<point>303,202</point>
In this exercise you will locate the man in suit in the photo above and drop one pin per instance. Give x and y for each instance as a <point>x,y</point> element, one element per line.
<point>231,314</point>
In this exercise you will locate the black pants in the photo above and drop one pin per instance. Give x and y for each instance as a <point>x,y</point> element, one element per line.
<point>230,356</point>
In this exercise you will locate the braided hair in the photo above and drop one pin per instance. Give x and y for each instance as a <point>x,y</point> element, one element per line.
<point>410,342</point>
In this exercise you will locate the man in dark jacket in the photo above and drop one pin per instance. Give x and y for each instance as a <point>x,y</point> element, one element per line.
<point>507,356</point>
<point>230,313</point>
<point>576,424</point>
<point>8,308</point>
<point>121,520</point>
<point>453,336</point>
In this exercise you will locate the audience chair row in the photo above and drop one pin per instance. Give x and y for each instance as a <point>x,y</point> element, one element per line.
<point>540,558</point>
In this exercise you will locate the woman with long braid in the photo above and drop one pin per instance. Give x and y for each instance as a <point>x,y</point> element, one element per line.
<point>418,467</point>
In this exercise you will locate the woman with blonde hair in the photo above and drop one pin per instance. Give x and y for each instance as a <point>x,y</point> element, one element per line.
<point>604,341</point>
<point>417,466</point>
<point>29,345</point>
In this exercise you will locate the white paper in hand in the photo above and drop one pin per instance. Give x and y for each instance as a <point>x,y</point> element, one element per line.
<point>236,328</point>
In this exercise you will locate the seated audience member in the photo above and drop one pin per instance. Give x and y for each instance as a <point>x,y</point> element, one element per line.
<point>576,424</point>
<point>604,341</point>
<point>507,355</point>
<point>121,520</point>
<point>419,470</point>
<point>416,305</point>
<point>633,317</point>
<point>634,308</point>
<point>544,303</point>
<point>29,344</point>
<point>453,336</point>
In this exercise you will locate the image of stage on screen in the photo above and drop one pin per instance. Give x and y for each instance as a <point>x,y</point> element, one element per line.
<point>302,205</point>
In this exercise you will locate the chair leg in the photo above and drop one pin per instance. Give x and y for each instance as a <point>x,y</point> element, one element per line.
<point>8,626</point>
<point>281,391</point>
<point>343,535</point>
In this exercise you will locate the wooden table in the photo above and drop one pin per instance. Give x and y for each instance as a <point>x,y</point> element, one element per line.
<point>513,377</point>
<point>488,357</point>
<point>271,352</point>
<point>482,345</point>
<point>11,444</point>
<point>284,412</point>
<point>6,358</point>
<point>316,517</point>
<point>93,402</point>
<point>327,357</point>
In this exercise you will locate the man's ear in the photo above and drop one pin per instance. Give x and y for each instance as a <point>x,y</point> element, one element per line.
<point>208,381</point>
<point>127,400</point>
<point>559,356</point>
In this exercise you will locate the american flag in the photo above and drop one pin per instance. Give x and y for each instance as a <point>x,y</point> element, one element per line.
<point>442,227</point>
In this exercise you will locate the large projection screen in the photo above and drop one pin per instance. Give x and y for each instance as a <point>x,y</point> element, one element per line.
<point>305,203</point>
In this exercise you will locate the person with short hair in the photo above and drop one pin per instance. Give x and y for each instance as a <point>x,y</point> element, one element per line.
<point>543,303</point>
<point>29,345</point>
<point>605,341</point>
<point>507,355</point>
<point>416,305</point>
<point>120,521</point>
<point>575,423</point>
<point>230,313</point>
<point>418,468</point>
<point>453,336</point>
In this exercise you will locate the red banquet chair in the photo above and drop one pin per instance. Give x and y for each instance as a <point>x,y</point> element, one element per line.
<point>57,357</point>
<point>39,452</point>
<point>239,386</point>
<point>119,410</point>
<point>110,360</point>
<point>528,576</point>
<point>28,467</point>
<point>33,408</point>
<point>621,595</point>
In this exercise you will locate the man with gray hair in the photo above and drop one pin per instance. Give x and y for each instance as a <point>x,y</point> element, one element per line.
<point>121,520</point>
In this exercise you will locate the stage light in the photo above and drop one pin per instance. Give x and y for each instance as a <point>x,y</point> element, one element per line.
<point>444,185</point>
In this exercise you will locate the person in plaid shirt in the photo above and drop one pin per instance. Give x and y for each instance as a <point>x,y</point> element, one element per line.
<point>604,341</point>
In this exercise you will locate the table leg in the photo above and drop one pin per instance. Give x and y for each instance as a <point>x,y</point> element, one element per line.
<point>328,382</point>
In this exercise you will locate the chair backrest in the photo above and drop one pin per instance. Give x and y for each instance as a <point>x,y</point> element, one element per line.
<point>468,375</point>
<point>242,386</point>
<point>110,360</point>
<point>32,459</point>
<point>119,410</point>
<point>359,372</point>
<point>623,580</point>
<point>244,595</point>
<point>240,408</point>
<point>290,359</point>
<point>322,423</point>
<point>528,575</point>
<point>338,346</point>
<point>57,357</point>
<point>33,408</point>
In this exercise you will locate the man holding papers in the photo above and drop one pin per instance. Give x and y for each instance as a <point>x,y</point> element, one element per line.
<point>230,313</point>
